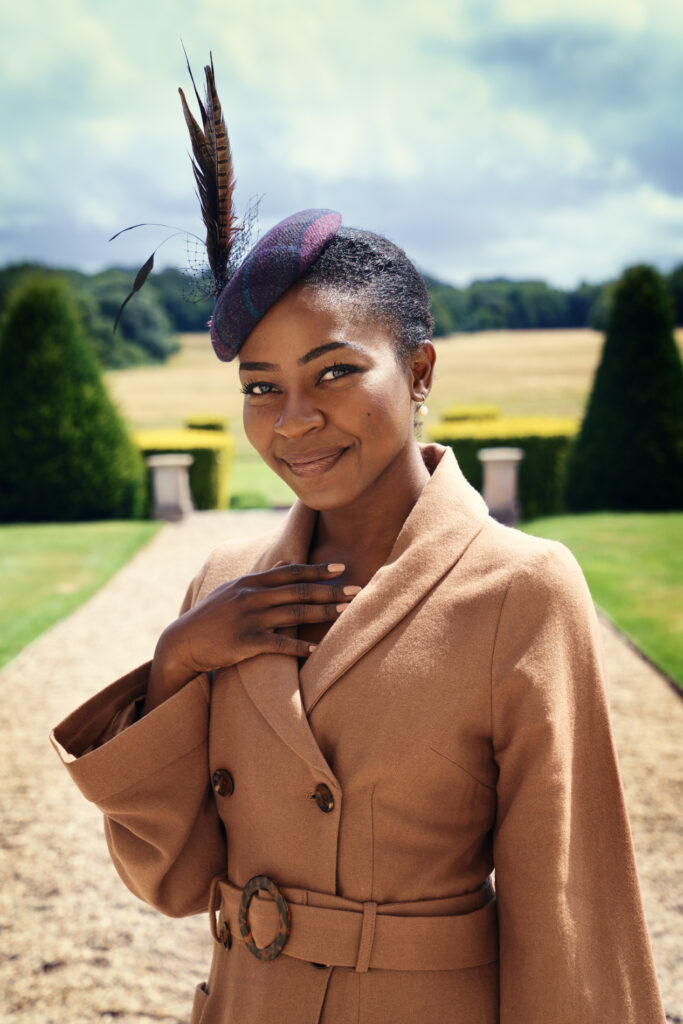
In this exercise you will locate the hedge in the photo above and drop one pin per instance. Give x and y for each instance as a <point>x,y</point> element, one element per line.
<point>456,413</point>
<point>65,451</point>
<point>545,441</point>
<point>628,455</point>
<point>213,421</point>
<point>212,451</point>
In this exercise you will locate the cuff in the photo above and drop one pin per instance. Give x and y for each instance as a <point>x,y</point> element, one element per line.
<point>121,720</point>
<point>106,752</point>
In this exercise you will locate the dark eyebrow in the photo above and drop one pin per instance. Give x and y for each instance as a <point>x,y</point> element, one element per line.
<point>315,353</point>
<point>259,366</point>
<point>329,347</point>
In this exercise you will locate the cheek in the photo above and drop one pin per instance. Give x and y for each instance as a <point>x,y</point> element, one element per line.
<point>258,428</point>
<point>388,402</point>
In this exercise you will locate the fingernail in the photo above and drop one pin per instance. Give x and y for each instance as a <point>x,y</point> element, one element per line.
<point>341,607</point>
<point>352,590</point>
<point>312,648</point>
<point>336,567</point>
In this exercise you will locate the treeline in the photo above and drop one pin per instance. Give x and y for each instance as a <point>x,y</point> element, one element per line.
<point>168,305</point>
<point>500,304</point>
<point>150,322</point>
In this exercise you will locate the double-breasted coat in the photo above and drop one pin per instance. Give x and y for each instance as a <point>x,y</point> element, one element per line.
<point>453,720</point>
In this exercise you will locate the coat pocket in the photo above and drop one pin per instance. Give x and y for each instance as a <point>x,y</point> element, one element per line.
<point>201,998</point>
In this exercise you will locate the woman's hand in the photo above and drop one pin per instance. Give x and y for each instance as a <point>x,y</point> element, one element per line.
<point>239,619</point>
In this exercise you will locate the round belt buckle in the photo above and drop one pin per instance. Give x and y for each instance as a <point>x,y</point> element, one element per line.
<point>262,882</point>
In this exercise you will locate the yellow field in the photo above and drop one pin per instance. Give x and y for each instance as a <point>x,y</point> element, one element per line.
<point>524,372</point>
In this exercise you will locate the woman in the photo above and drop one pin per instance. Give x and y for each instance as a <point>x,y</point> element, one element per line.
<point>350,725</point>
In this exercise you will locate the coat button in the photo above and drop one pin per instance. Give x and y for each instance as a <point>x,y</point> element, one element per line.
<point>222,783</point>
<point>323,797</point>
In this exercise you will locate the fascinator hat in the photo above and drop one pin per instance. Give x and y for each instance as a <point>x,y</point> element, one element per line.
<point>275,263</point>
<point>244,288</point>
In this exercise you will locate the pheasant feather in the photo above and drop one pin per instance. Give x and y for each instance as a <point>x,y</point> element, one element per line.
<point>213,172</point>
<point>215,179</point>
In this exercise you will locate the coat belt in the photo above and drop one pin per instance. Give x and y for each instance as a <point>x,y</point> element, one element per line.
<point>370,935</point>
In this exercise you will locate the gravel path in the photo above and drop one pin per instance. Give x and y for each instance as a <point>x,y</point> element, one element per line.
<point>76,947</point>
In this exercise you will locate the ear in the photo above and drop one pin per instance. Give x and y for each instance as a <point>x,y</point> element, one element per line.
<point>421,369</point>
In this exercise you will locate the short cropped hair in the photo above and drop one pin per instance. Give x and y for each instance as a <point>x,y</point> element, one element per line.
<point>372,270</point>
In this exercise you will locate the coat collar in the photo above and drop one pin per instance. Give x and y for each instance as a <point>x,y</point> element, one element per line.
<point>446,518</point>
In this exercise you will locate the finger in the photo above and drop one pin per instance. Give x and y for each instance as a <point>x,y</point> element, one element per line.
<point>281,575</point>
<point>296,614</point>
<point>279,643</point>
<point>304,593</point>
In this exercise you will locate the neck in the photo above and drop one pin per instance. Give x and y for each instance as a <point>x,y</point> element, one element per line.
<point>362,534</point>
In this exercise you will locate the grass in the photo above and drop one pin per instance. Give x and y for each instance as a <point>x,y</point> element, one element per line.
<point>48,570</point>
<point>633,563</point>
<point>546,373</point>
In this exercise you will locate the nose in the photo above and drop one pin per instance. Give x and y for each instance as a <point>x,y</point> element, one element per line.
<point>298,416</point>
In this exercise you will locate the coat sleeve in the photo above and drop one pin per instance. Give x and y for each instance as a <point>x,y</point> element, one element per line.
<point>151,781</point>
<point>573,940</point>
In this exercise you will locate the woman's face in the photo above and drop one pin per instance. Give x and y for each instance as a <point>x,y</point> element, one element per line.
<point>328,405</point>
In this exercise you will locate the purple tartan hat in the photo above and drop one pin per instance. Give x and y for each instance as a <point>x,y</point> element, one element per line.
<point>277,261</point>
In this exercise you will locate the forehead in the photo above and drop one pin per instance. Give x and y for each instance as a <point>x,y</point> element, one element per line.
<point>305,318</point>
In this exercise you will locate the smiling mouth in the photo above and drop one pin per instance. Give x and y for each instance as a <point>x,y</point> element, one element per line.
<point>314,463</point>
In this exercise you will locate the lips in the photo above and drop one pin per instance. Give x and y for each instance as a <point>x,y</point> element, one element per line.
<point>315,462</point>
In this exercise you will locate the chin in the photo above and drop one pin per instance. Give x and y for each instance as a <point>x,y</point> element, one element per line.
<point>323,498</point>
<point>321,491</point>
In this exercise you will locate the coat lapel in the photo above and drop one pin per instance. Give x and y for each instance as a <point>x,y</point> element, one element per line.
<point>443,522</point>
<point>272,680</point>
<point>446,518</point>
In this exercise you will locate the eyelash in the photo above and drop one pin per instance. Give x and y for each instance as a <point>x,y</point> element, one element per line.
<point>248,387</point>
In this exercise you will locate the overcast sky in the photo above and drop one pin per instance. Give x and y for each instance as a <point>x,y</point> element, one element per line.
<point>523,138</point>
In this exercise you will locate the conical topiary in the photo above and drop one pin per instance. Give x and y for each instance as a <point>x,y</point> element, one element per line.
<point>629,452</point>
<point>65,453</point>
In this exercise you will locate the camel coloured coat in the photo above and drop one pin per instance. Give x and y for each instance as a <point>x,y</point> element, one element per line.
<point>454,720</point>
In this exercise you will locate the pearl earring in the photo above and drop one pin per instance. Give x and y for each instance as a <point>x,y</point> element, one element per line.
<point>422,408</point>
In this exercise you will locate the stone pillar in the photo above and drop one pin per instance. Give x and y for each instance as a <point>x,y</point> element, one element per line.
<point>171,485</point>
<point>501,466</point>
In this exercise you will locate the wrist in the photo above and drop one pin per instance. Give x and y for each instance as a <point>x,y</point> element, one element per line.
<point>170,671</point>
<point>170,656</point>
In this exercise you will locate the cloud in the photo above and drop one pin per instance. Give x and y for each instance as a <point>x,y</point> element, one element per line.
<point>486,136</point>
<point>616,80</point>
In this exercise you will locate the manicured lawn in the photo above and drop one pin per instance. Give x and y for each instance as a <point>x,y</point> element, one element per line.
<point>47,570</point>
<point>633,564</point>
<point>253,480</point>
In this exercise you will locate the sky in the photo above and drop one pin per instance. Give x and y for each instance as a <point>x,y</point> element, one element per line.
<point>520,138</point>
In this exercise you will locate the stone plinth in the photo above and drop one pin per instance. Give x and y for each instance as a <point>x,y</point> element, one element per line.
<point>171,485</point>
<point>500,492</point>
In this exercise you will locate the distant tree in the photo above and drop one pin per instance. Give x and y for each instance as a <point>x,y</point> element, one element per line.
<point>599,311</point>
<point>65,453</point>
<point>145,333</point>
<point>582,304</point>
<point>181,299</point>
<point>144,323</point>
<point>537,305</point>
<point>447,307</point>
<point>675,282</point>
<point>497,304</point>
<point>11,275</point>
<point>629,451</point>
<point>488,306</point>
